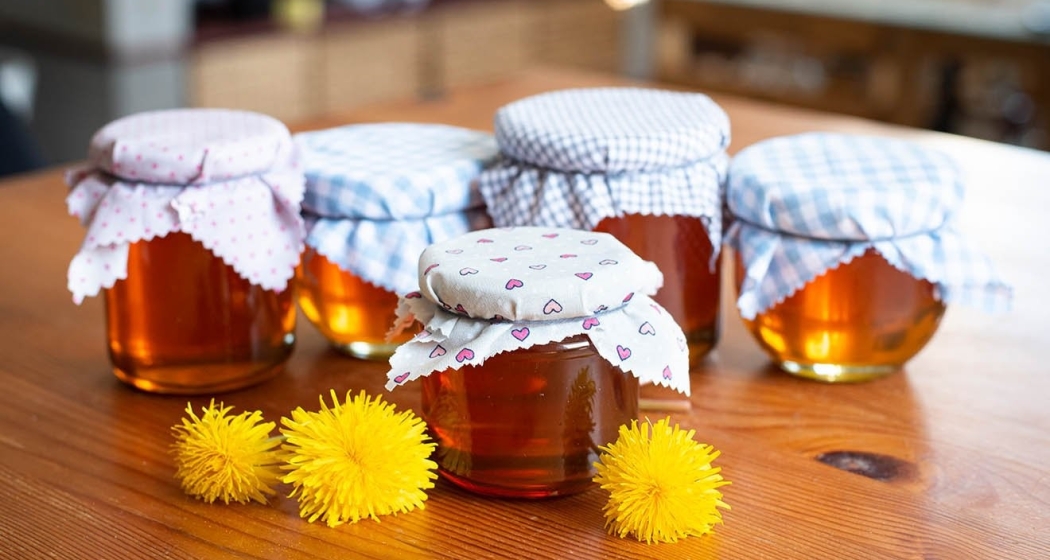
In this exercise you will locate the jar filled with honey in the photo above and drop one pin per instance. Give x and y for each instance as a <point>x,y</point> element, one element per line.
<point>645,165</point>
<point>376,196</point>
<point>847,251</point>
<point>193,233</point>
<point>532,347</point>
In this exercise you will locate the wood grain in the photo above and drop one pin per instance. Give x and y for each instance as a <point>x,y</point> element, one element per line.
<point>963,434</point>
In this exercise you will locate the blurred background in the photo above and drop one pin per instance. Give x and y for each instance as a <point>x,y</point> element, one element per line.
<point>974,67</point>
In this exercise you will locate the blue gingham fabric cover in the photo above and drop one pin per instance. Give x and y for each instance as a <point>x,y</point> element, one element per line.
<point>574,157</point>
<point>804,204</point>
<point>378,194</point>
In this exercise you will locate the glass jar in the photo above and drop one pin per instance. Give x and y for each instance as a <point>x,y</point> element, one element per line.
<point>193,234</point>
<point>690,293</point>
<point>354,315</point>
<point>859,321</point>
<point>533,346</point>
<point>376,196</point>
<point>846,252</point>
<point>528,424</point>
<point>644,165</point>
<point>225,334</point>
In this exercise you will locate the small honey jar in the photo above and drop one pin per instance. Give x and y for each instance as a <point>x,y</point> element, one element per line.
<point>193,233</point>
<point>533,344</point>
<point>376,196</point>
<point>645,165</point>
<point>847,251</point>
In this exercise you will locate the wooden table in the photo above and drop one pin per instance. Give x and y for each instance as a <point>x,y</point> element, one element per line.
<point>959,443</point>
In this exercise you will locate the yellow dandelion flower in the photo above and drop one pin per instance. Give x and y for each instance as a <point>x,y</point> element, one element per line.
<point>228,458</point>
<point>661,484</point>
<point>358,459</point>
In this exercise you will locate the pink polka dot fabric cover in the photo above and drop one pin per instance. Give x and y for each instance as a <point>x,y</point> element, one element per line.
<point>229,179</point>
<point>500,290</point>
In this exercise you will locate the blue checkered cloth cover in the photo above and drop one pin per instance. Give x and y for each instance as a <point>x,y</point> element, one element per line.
<point>804,204</point>
<point>378,194</point>
<point>572,158</point>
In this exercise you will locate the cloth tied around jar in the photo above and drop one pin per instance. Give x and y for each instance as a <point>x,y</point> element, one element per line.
<point>229,179</point>
<point>574,157</point>
<point>500,290</point>
<point>804,204</point>
<point>378,194</point>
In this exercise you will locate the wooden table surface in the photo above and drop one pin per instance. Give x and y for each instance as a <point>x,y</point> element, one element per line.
<point>959,443</point>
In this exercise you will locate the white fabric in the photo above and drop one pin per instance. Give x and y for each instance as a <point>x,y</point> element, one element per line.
<point>235,186</point>
<point>500,290</point>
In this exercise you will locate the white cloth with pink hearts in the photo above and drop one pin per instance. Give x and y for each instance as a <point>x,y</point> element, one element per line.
<point>501,290</point>
<point>229,179</point>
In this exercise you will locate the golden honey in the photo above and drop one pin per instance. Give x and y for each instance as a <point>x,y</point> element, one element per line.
<point>352,314</point>
<point>528,423</point>
<point>185,322</point>
<point>681,248</point>
<point>859,321</point>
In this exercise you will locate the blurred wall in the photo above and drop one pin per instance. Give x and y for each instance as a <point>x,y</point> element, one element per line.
<point>97,60</point>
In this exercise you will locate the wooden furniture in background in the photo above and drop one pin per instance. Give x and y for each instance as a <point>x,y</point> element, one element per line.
<point>271,75</point>
<point>881,60</point>
<point>689,29</point>
<point>948,459</point>
<point>351,62</point>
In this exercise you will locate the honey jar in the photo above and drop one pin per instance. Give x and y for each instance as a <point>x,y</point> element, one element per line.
<point>533,344</point>
<point>193,233</point>
<point>847,251</point>
<point>376,196</point>
<point>647,166</point>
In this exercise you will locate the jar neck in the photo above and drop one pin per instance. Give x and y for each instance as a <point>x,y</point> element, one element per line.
<point>529,322</point>
<point>816,238</point>
<point>545,168</point>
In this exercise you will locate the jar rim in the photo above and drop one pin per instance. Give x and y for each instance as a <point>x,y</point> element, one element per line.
<point>393,171</point>
<point>189,146</point>
<point>533,274</point>
<point>612,129</point>
<point>832,186</point>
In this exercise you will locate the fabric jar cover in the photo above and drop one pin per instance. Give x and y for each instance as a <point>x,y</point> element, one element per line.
<point>378,194</point>
<point>804,204</point>
<point>229,179</point>
<point>500,290</point>
<point>574,157</point>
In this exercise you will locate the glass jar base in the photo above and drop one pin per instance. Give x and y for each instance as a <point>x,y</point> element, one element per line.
<point>700,342</point>
<point>525,492</point>
<point>186,380</point>
<point>367,350</point>
<point>835,373</point>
